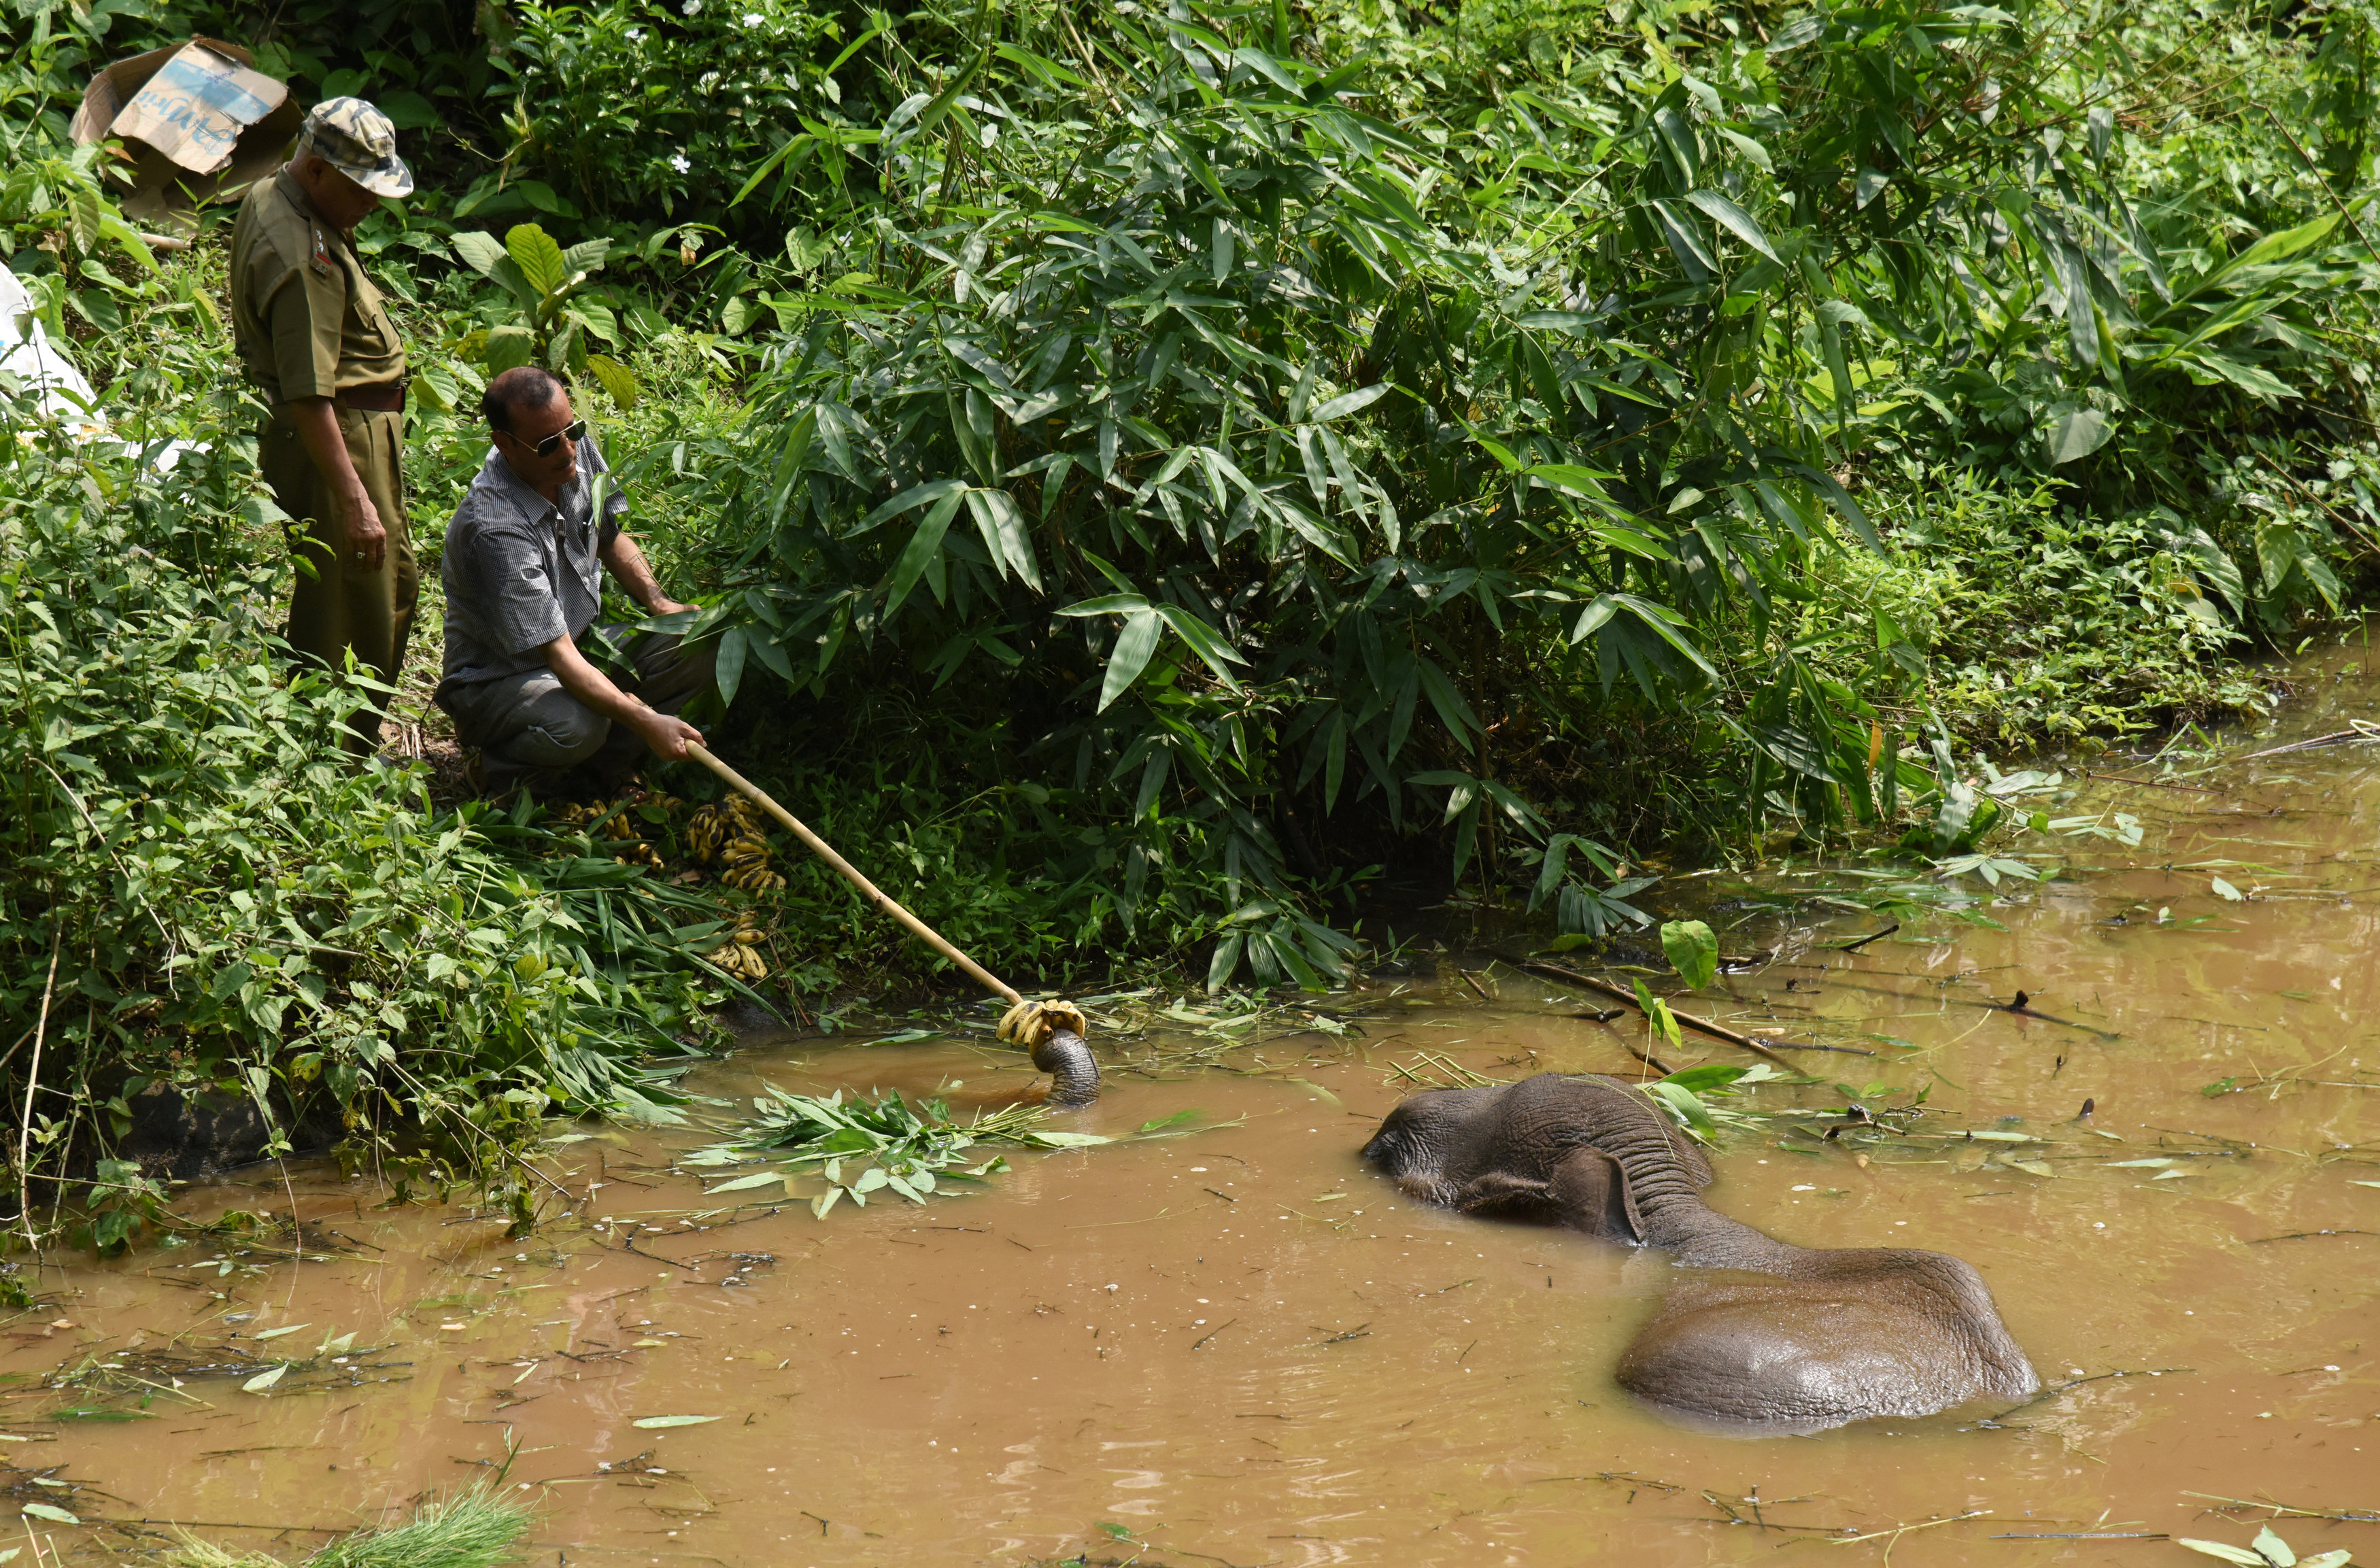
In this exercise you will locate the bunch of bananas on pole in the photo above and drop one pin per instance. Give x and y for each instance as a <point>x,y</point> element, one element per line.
<point>735,832</point>
<point>740,953</point>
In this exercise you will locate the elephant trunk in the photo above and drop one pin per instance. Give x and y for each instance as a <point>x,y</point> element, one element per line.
<point>1070,1064</point>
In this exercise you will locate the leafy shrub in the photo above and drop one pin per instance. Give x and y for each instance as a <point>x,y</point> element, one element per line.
<point>629,113</point>
<point>198,891</point>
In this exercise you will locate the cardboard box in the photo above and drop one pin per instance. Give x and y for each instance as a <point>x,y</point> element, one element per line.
<point>200,123</point>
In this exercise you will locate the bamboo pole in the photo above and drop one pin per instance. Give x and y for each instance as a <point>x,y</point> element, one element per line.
<point>850,873</point>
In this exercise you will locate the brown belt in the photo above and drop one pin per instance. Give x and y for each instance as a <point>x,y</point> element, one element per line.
<point>387,398</point>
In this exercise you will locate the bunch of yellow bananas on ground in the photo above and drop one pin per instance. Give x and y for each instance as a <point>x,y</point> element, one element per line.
<point>740,953</point>
<point>735,831</point>
<point>617,827</point>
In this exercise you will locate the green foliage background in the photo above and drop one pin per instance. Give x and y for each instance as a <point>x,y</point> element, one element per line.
<point>1171,479</point>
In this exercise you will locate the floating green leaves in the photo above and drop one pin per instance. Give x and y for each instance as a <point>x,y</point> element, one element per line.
<point>863,1148</point>
<point>659,1423</point>
<point>45,1511</point>
<point>2267,1551</point>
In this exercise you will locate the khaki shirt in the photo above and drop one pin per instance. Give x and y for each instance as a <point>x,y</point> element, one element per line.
<point>309,322</point>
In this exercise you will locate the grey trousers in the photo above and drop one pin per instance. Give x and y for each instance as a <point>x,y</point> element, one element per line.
<point>528,726</point>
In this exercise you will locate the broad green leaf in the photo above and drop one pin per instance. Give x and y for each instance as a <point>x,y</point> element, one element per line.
<point>276,1333</point>
<point>1663,1022</point>
<point>745,1184</point>
<point>1572,322</point>
<point>616,380</point>
<point>2273,248</point>
<point>1734,219</point>
<point>2077,432</point>
<point>925,547</point>
<point>1212,651</point>
<point>264,1381</point>
<point>657,1423</point>
<point>1749,148</point>
<point>540,259</point>
<point>727,668</point>
<point>1693,950</point>
<point>1704,1079</point>
<point>1348,403</point>
<point>1002,526</point>
<point>1135,645</point>
<point>2240,1555</point>
<point>1111,604</point>
<point>479,251</point>
<point>931,115</point>
<point>1678,231</point>
<point>508,347</point>
<point>1688,1106</point>
<point>54,1514</point>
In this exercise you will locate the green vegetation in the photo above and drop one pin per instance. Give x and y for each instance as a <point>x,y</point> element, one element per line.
<point>200,895</point>
<point>1170,480</point>
<point>890,1145</point>
<point>475,1528</point>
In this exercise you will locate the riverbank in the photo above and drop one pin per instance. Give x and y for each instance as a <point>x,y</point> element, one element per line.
<point>1223,1336</point>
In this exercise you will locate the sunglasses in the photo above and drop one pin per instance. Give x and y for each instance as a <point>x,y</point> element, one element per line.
<point>574,433</point>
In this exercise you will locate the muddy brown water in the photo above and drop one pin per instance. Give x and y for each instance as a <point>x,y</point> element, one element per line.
<point>1240,1346</point>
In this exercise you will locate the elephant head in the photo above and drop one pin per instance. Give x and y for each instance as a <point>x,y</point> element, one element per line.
<point>1816,1338</point>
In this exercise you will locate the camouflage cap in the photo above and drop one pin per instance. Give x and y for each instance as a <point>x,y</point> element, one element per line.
<point>356,138</point>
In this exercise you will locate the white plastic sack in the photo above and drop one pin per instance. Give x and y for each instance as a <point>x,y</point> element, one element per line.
<point>26,353</point>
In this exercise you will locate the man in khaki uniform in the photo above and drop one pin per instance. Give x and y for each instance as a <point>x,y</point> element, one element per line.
<point>314,337</point>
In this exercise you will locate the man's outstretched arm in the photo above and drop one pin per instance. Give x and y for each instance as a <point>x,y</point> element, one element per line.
<point>627,564</point>
<point>666,736</point>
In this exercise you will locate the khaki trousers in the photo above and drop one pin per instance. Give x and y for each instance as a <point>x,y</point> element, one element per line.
<point>340,607</point>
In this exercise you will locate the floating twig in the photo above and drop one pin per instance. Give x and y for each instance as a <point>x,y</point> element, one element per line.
<point>1900,1530</point>
<point>1628,999</point>
<point>2363,729</point>
<point>2154,784</point>
<point>1862,942</point>
<point>2359,1516</point>
<point>2304,1235</point>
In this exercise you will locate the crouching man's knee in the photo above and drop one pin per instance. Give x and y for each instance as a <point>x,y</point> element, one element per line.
<point>561,739</point>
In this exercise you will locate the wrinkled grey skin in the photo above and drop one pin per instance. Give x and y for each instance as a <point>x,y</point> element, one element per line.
<point>1074,1070</point>
<point>1817,1339</point>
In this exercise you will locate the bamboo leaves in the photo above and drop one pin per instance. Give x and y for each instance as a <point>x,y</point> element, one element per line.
<point>1136,643</point>
<point>1735,220</point>
<point>890,1146</point>
<point>1399,444</point>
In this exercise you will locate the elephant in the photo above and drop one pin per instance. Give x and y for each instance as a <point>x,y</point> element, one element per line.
<point>1794,1340</point>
